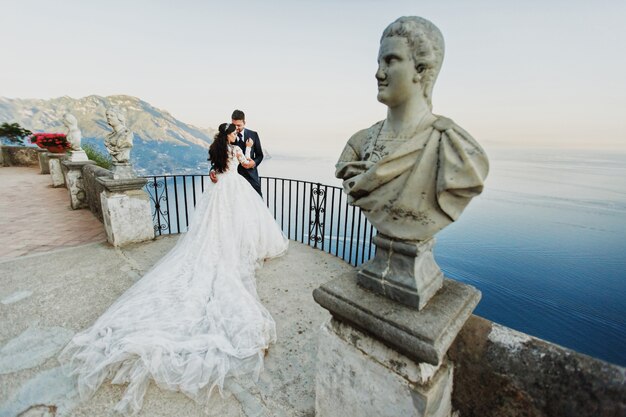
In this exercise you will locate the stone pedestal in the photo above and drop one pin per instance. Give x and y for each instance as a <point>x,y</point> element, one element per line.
<point>42,155</point>
<point>126,211</point>
<point>55,168</point>
<point>359,376</point>
<point>403,271</point>
<point>78,156</point>
<point>122,171</point>
<point>73,173</point>
<point>377,357</point>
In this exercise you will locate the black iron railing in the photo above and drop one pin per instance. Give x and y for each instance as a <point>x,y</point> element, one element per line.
<point>311,213</point>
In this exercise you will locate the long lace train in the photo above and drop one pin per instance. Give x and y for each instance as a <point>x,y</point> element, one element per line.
<point>195,318</point>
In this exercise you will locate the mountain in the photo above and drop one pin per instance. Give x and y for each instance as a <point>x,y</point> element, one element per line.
<point>162,143</point>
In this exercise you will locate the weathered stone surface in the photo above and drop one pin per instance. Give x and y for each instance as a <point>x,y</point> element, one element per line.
<point>32,347</point>
<point>56,170</point>
<point>93,188</point>
<point>119,142</point>
<point>123,171</point>
<point>127,216</point>
<point>18,156</point>
<point>416,372</point>
<point>42,157</point>
<point>78,156</point>
<point>500,372</point>
<point>40,411</point>
<point>423,335</point>
<point>74,182</point>
<point>402,271</point>
<point>15,297</point>
<point>48,391</point>
<point>413,173</point>
<point>121,185</point>
<point>358,376</point>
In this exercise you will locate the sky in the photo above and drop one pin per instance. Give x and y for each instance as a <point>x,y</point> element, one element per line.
<point>515,74</point>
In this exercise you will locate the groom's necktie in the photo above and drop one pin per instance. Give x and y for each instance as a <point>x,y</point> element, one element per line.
<point>239,137</point>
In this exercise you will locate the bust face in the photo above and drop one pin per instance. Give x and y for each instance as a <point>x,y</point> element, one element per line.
<point>396,72</point>
<point>112,120</point>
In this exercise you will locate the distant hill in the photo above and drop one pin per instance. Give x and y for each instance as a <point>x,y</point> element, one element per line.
<point>162,143</point>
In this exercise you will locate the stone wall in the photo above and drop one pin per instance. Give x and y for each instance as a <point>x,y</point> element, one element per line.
<point>93,188</point>
<point>500,372</point>
<point>19,156</point>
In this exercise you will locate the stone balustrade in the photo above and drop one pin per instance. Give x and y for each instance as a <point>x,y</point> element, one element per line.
<point>18,156</point>
<point>93,188</point>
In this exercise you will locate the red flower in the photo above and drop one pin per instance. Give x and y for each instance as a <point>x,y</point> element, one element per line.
<point>53,142</point>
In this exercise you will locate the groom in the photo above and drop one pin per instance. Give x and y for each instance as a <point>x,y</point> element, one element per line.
<point>250,174</point>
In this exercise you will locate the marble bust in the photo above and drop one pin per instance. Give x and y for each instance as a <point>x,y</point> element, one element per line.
<point>73,135</point>
<point>413,173</point>
<point>119,142</point>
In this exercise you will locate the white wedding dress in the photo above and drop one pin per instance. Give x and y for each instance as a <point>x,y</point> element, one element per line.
<point>195,318</point>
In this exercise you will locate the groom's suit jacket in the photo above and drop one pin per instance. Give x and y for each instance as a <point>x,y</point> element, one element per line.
<point>256,154</point>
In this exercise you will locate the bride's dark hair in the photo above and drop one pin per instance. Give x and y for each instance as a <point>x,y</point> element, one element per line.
<point>218,151</point>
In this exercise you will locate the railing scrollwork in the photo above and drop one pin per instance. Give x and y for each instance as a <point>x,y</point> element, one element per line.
<point>160,214</point>
<point>317,201</point>
<point>311,213</point>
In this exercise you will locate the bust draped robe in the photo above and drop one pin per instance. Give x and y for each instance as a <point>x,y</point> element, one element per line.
<point>418,188</point>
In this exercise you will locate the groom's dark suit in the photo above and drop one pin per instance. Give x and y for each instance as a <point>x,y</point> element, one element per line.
<point>256,154</point>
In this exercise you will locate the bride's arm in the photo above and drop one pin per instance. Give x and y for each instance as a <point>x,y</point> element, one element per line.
<point>243,159</point>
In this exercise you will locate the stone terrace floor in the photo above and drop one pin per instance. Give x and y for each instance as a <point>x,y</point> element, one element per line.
<point>34,217</point>
<point>55,290</point>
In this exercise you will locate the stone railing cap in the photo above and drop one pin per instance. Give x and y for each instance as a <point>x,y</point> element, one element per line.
<point>76,164</point>
<point>424,335</point>
<point>121,185</point>
<point>56,155</point>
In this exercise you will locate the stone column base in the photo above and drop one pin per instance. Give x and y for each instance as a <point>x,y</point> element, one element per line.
<point>44,166</point>
<point>359,376</point>
<point>122,171</point>
<point>78,156</point>
<point>378,357</point>
<point>74,183</point>
<point>55,168</point>
<point>403,271</point>
<point>126,211</point>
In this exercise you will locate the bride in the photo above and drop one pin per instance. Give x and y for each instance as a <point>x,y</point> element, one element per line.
<point>195,318</point>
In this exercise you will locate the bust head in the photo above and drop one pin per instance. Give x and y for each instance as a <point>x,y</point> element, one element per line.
<point>426,45</point>
<point>115,118</point>
<point>69,120</point>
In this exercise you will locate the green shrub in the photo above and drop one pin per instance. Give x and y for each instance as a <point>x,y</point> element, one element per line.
<point>100,158</point>
<point>14,132</point>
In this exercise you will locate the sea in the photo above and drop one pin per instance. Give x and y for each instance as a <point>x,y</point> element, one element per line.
<point>545,243</point>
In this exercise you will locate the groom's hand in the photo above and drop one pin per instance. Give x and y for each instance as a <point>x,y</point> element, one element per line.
<point>213,176</point>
